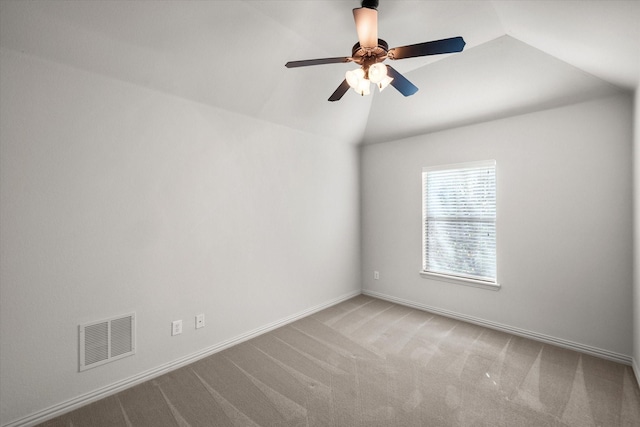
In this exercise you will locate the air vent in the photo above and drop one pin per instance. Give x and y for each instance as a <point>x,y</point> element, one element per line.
<point>107,340</point>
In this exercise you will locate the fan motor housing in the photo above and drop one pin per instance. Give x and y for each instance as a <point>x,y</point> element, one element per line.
<point>367,56</point>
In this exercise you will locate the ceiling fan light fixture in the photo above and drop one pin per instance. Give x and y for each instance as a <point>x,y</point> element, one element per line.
<point>364,87</point>
<point>354,77</point>
<point>377,72</point>
<point>357,80</point>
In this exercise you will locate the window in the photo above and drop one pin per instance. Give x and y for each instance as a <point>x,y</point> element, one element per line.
<point>459,222</point>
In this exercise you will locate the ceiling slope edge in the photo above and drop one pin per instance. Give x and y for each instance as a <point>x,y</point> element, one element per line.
<point>6,52</point>
<point>498,79</point>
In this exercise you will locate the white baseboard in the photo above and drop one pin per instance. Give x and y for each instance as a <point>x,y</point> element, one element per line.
<point>636,370</point>
<point>594,351</point>
<point>77,402</point>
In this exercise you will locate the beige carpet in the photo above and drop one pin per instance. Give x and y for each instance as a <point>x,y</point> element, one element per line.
<point>367,362</point>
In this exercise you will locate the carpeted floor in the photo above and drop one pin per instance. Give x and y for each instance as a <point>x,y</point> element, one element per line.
<point>367,362</point>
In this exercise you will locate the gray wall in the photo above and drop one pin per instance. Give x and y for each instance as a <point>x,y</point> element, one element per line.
<point>115,198</point>
<point>564,221</point>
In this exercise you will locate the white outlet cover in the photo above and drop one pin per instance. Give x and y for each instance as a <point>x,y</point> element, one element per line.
<point>176,327</point>
<point>200,321</point>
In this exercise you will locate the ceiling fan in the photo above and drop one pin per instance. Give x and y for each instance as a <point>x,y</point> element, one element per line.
<point>370,52</point>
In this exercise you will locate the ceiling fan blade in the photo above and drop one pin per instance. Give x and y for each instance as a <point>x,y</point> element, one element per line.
<point>366,26</point>
<point>307,62</point>
<point>401,83</point>
<point>342,89</point>
<point>436,47</point>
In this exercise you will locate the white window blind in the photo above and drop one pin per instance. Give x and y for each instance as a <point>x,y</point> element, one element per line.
<point>459,220</point>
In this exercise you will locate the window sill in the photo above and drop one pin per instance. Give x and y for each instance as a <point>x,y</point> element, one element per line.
<point>461,281</point>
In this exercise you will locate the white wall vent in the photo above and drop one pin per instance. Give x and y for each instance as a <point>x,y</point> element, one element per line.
<point>107,340</point>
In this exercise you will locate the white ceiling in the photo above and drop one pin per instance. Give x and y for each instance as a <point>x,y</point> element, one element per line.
<point>521,56</point>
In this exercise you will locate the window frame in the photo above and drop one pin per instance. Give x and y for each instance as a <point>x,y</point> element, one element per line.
<point>451,278</point>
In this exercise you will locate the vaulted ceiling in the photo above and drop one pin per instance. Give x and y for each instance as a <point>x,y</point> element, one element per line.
<point>521,56</point>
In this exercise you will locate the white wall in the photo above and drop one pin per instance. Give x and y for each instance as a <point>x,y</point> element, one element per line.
<point>115,198</point>
<point>564,221</point>
<point>636,239</point>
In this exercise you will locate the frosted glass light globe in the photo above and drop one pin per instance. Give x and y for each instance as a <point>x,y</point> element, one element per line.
<point>354,76</point>
<point>364,87</point>
<point>377,72</point>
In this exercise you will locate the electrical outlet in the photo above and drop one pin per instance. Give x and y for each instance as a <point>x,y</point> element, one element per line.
<point>376,275</point>
<point>176,327</point>
<point>200,321</point>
